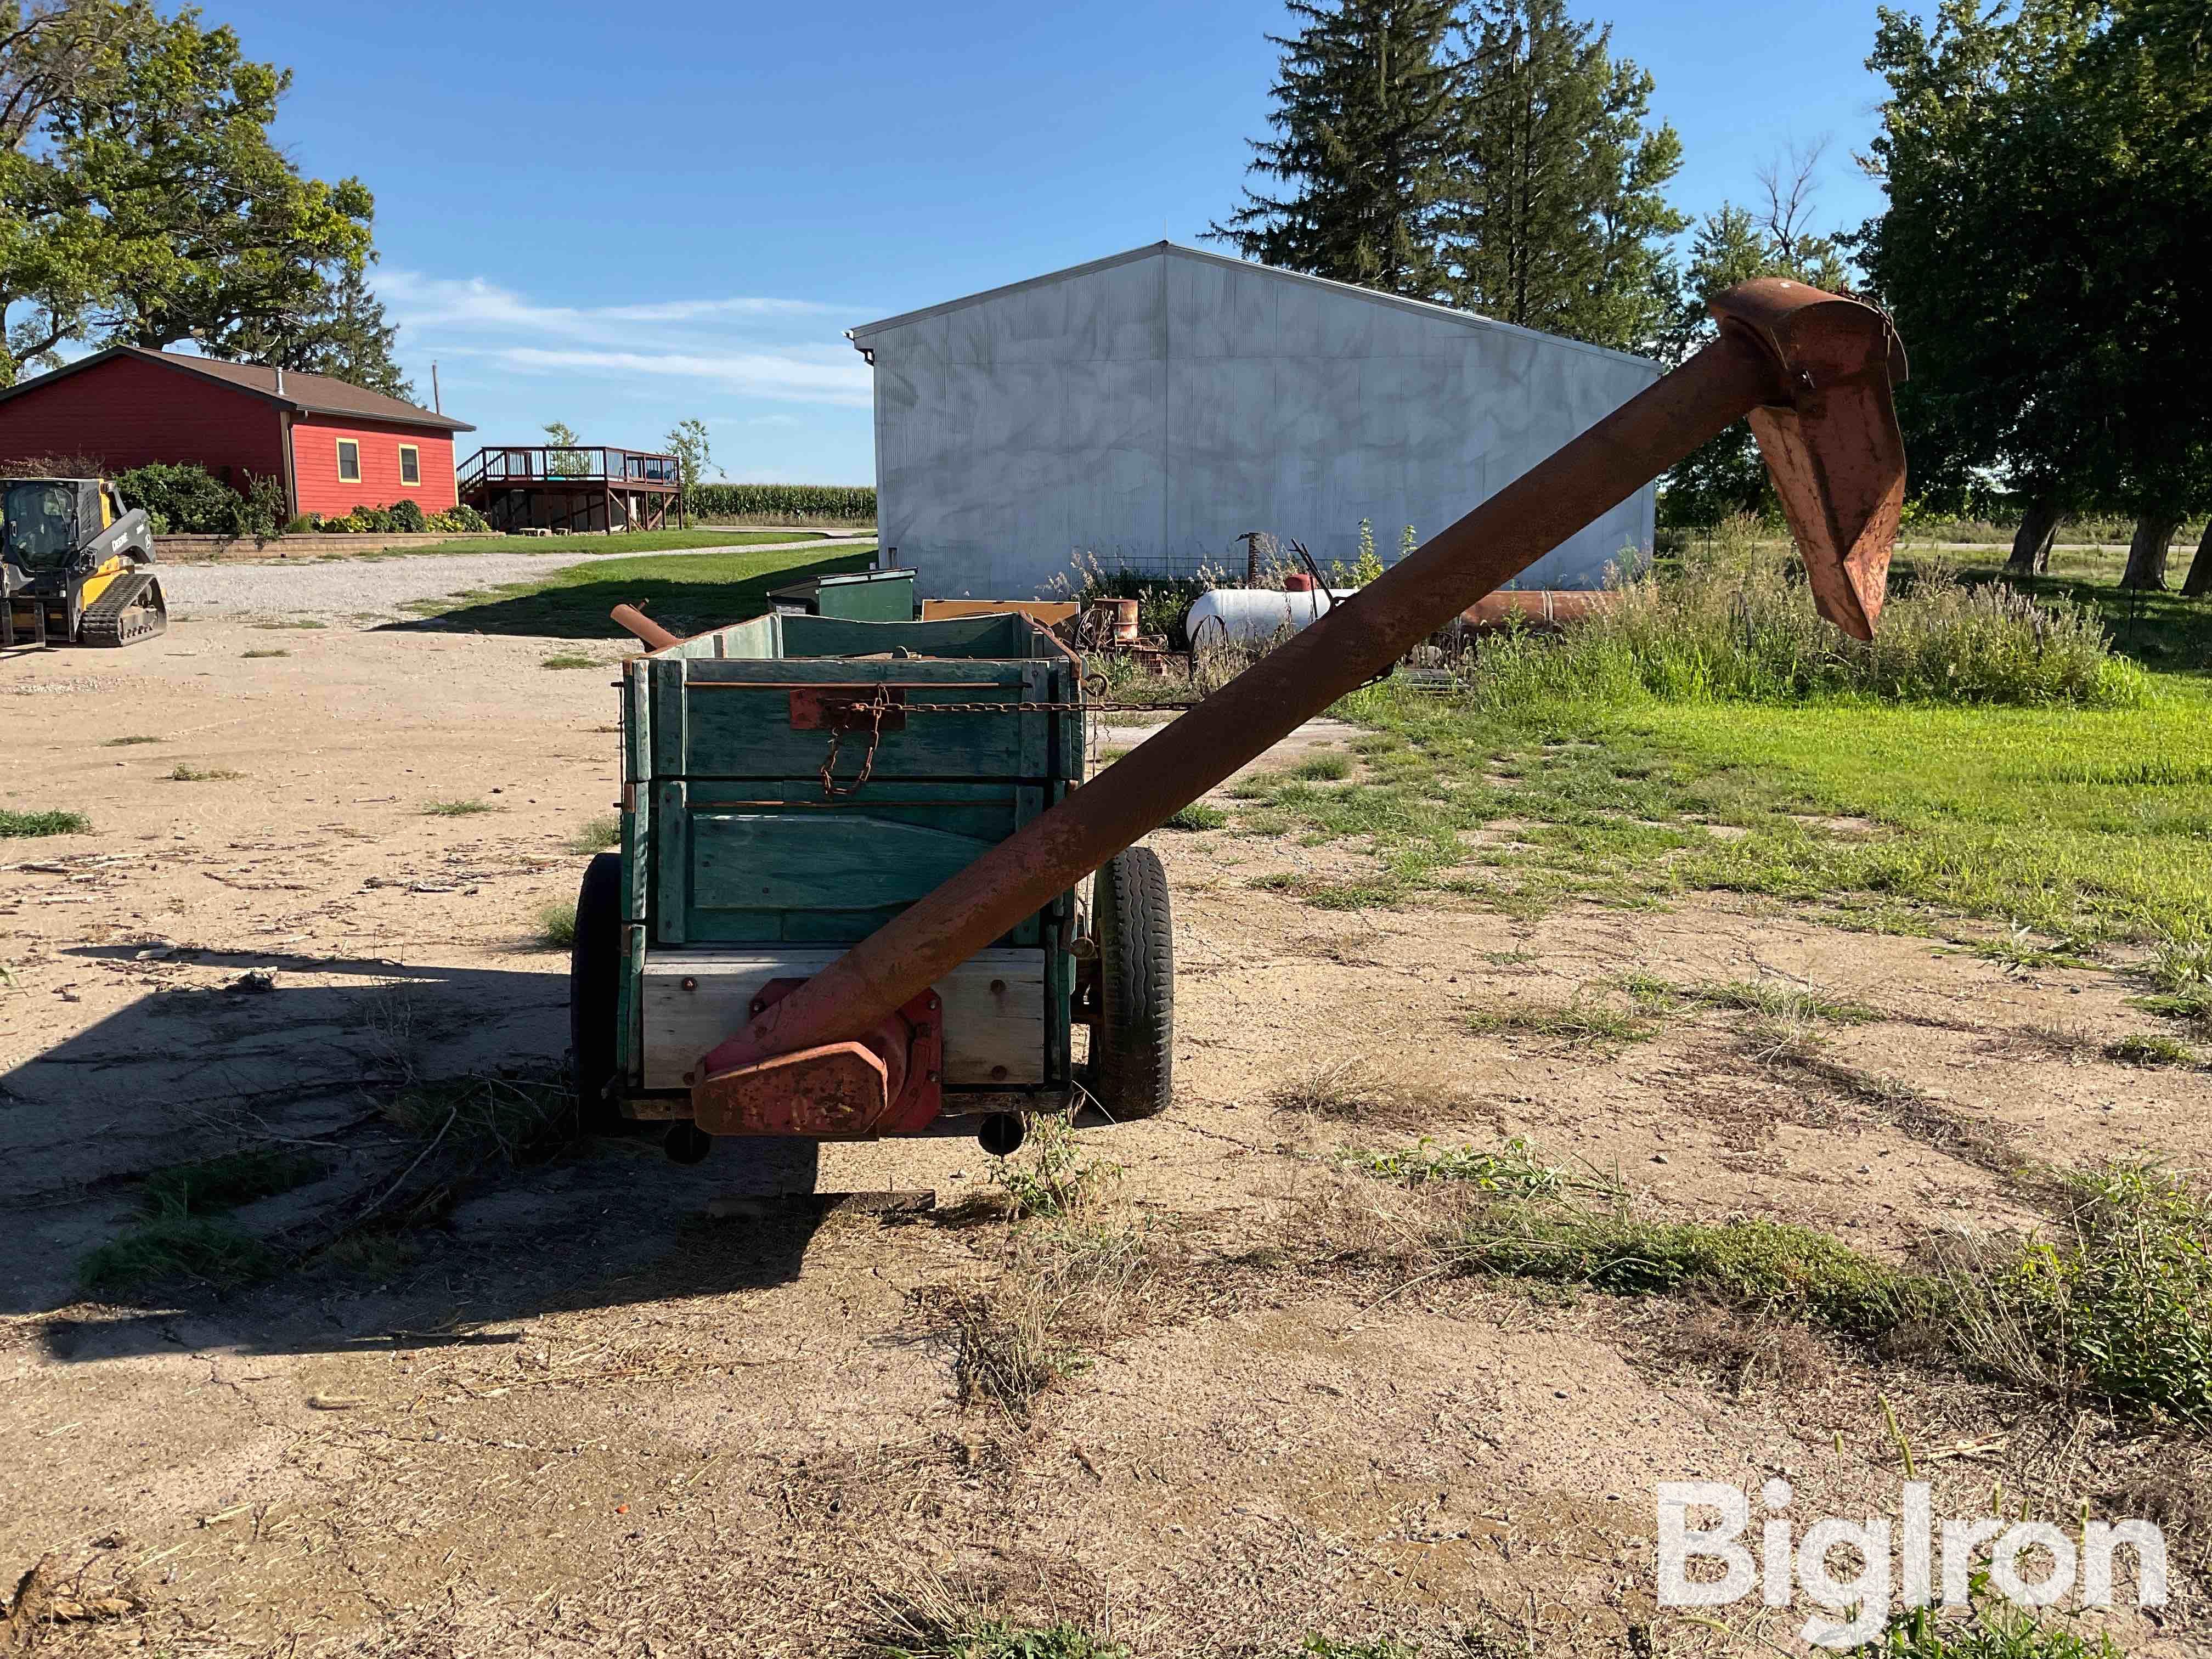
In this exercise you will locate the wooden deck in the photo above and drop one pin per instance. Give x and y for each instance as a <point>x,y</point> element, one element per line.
<point>593,487</point>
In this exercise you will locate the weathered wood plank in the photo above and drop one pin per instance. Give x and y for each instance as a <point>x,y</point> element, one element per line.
<point>994,1010</point>
<point>784,861</point>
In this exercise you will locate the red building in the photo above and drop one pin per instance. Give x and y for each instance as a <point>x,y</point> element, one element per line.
<point>335,446</point>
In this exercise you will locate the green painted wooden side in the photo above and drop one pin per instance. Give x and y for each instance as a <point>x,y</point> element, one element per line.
<point>729,839</point>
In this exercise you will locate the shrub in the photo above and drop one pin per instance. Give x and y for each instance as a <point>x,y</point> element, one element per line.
<point>185,497</point>
<point>462,520</point>
<point>407,518</point>
<point>1735,621</point>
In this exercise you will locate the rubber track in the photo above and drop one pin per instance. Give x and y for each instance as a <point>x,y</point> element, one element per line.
<point>117,618</point>
<point>1133,1050</point>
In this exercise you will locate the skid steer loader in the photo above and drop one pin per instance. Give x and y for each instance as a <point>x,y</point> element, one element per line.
<point>76,568</point>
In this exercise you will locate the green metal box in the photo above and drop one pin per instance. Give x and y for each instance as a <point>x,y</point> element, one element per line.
<point>768,823</point>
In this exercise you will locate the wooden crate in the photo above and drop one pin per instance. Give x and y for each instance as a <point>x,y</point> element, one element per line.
<point>740,866</point>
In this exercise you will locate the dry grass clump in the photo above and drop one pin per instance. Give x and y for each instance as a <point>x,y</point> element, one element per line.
<point>1081,1267</point>
<point>1355,1090</point>
<point>1740,1351</point>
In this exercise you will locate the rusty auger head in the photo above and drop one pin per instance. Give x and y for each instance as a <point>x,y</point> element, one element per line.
<point>1830,437</point>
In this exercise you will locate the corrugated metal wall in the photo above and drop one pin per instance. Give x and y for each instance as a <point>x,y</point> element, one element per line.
<point>1149,409</point>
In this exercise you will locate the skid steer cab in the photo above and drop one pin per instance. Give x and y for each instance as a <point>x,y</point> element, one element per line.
<point>75,567</point>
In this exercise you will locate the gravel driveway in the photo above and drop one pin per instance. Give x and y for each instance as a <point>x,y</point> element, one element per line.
<point>382,588</point>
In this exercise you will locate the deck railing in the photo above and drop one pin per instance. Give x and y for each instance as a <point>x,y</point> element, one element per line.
<point>562,463</point>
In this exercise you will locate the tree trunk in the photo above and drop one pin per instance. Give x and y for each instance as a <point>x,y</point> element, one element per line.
<point>2154,539</point>
<point>2200,568</point>
<point>2031,544</point>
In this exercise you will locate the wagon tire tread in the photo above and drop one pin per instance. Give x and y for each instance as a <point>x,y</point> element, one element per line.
<point>1133,1045</point>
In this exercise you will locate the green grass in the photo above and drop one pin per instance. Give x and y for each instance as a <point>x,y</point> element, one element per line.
<point>297,622</point>
<point>1775,999</point>
<point>2156,1050</point>
<point>600,835</point>
<point>186,1235</point>
<point>630,541</point>
<point>26,824</point>
<point>250,656</point>
<point>125,742</point>
<point>979,1638</point>
<point>569,660</point>
<point>1994,1629</point>
<point>1198,815</point>
<point>183,772</point>
<point>2114,1305</point>
<point>1514,1168</point>
<point>556,926</point>
<point>684,595</point>
<point>456,809</point>
<point>1323,768</point>
<point>1382,1647</point>
<point>1586,1019</point>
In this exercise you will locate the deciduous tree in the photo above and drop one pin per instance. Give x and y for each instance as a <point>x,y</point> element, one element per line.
<point>142,198</point>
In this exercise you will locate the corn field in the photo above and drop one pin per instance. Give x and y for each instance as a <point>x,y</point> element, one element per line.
<point>785,503</point>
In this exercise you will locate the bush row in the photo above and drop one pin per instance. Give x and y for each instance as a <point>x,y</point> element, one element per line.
<point>183,498</point>
<point>793,503</point>
<point>400,518</point>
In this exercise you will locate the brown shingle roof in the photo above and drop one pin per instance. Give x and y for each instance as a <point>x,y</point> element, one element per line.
<point>310,394</point>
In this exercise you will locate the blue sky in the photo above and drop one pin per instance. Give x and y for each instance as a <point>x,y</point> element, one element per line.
<point>620,216</point>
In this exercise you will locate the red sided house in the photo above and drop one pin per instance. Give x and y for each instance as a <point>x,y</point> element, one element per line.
<point>335,446</point>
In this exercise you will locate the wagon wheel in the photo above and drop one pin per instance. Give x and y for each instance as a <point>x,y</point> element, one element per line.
<point>1132,1033</point>
<point>595,993</point>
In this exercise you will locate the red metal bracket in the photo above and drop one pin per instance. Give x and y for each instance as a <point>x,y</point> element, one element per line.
<point>889,1081</point>
<point>848,707</point>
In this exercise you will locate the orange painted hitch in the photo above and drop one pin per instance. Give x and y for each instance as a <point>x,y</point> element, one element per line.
<point>1813,371</point>
<point>888,1081</point>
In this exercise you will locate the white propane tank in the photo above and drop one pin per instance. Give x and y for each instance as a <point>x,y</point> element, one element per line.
<point>1252,616</point>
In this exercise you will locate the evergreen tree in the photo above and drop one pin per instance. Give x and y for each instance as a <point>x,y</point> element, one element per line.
<point>1362,104</point>
<point>1558,220</point>
<point>342,334</point>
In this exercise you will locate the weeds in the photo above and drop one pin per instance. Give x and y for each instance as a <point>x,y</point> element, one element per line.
<point>1994,1629</point>
<point>125,742</point>
<point>26,825</point>
<point>1198,815</point>
<point>255,656</point>
<point>1323,768</point>
<point>456,809</point>
<point>1790,1004</point>
<point>1317,1646</point>
<point>2193,1004</point>
<point>1585,1019</point>
<point>1735,621</point>
<point>556,925</point>
<point>569,660</point>
<point>186,1233</point>
<point>601,834</point>
<point>1514,1169</point>
<point>1353,1091</point>
<point>183,773</point>
<point>2154,1049</point>
<point>1057,1179</point>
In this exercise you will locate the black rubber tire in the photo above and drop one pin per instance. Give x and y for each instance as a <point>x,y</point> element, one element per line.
<point>595,966</point>
<point>1133,1045</point>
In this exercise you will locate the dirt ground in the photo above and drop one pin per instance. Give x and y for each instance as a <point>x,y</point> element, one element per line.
<point>580,1413</point>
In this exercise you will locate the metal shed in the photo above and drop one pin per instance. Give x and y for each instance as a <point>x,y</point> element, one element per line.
<point>1149,408</point>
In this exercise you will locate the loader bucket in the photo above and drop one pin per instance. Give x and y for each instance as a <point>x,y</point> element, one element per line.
<point>1832,448</point>
<point>1813,371</point>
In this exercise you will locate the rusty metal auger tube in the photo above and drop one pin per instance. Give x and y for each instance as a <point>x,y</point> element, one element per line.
<point>1819,368</point>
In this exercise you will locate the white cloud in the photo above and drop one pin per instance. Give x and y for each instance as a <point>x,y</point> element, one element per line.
<point>790,351</point>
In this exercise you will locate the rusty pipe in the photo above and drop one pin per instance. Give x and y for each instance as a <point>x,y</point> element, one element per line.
<point>644,627</point>
<point>1545,610</point>
<point>1824,362</point>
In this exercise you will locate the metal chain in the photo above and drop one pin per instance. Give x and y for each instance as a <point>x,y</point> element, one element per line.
<point>875,709</point>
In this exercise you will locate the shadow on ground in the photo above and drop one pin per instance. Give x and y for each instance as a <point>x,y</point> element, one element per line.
<point>578,611</point>
<point>189,1070</point>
